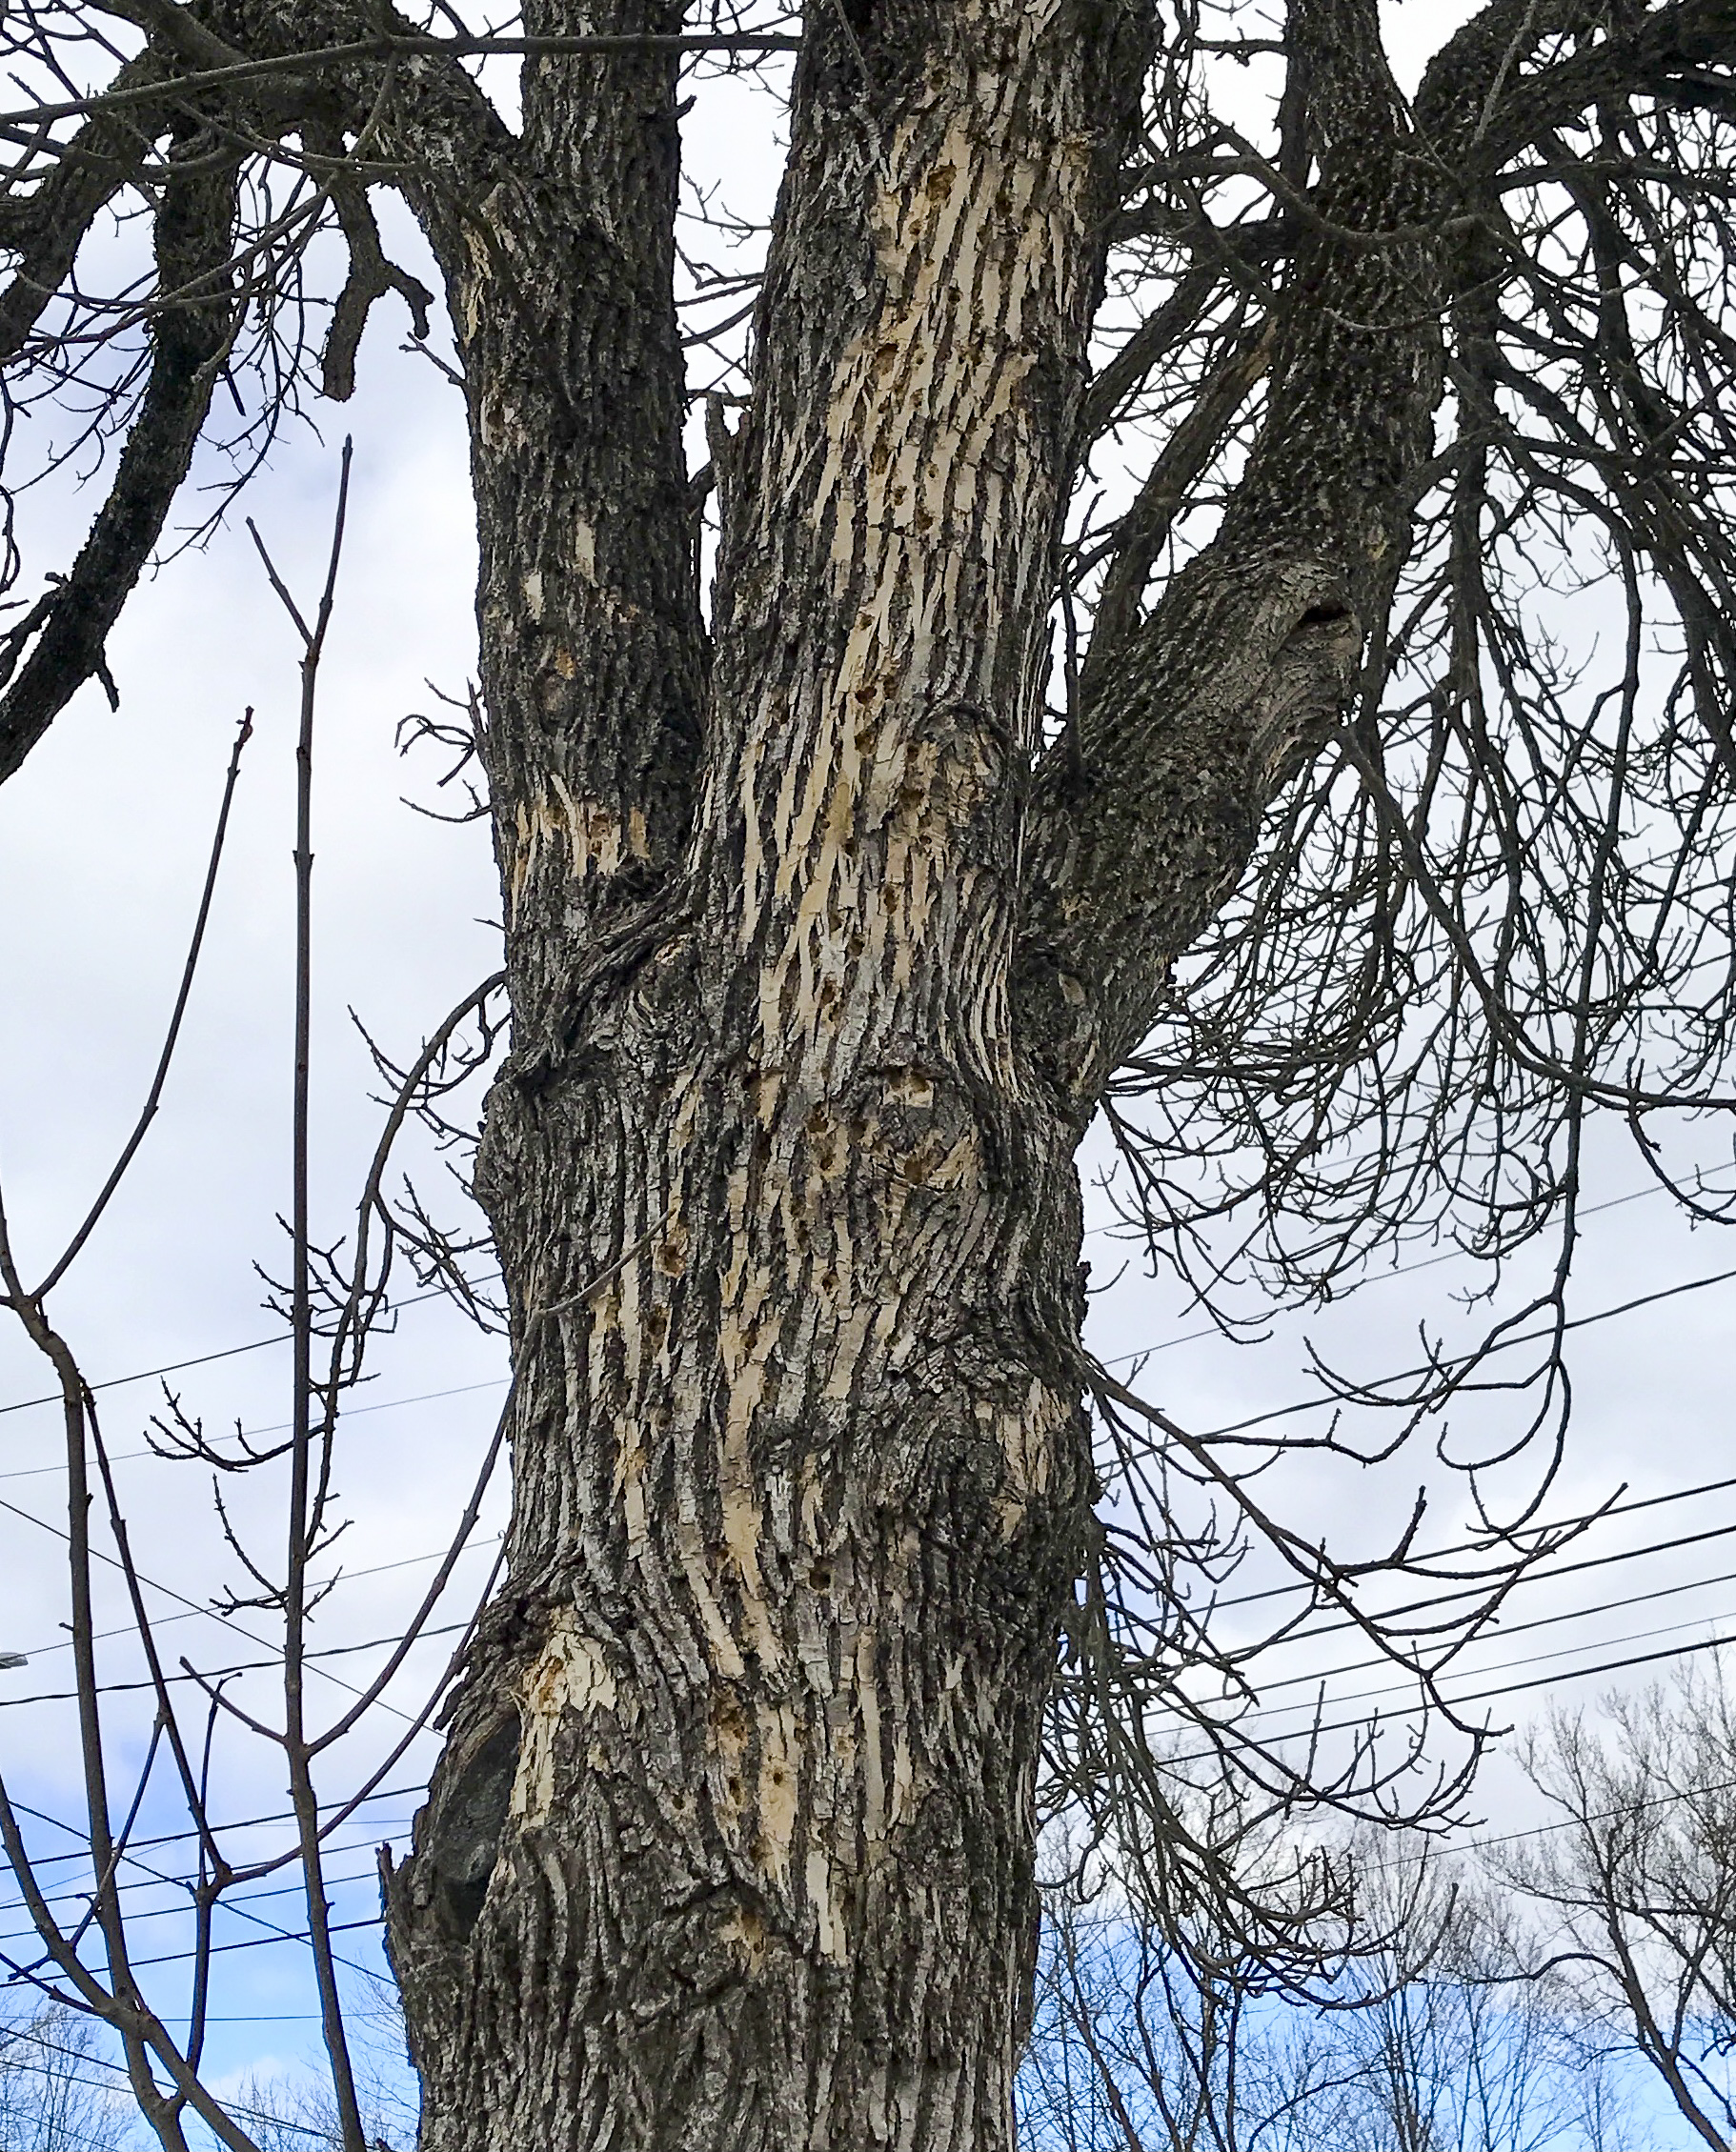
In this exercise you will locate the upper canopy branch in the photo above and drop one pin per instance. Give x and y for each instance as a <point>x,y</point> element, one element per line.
<point>65,634</point>
<point>1480,99</point>
<point>1193,720</point>
<point>337,53</point>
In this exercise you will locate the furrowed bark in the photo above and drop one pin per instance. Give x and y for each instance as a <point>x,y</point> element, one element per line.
<point>732,1842</point>
<point>593,658</point>
<point>1142,823</point>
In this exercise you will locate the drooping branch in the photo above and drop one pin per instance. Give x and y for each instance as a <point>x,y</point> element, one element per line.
<point>372,275</point>
<point>48,225</point>
<point>65,634</point>
<point>1499,900</point>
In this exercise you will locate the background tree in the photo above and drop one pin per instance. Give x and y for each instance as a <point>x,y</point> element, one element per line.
<point>1633,1890</point>
<point>1430,2032</point>
<point>48,2100</point>
<point>1336,876</point>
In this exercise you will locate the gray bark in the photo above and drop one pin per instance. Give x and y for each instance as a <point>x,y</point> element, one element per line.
<point>732,1842</point>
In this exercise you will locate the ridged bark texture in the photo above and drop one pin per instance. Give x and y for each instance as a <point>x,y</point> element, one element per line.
<point>1142,825</point>
<point>732,1843</point>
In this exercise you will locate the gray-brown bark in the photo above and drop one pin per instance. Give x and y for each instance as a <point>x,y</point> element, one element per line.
<point>732,1846</point>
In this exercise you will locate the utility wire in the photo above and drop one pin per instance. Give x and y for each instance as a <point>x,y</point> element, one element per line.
<point>1502,1631</point>
<point>102,2062</point>
<point>240,1823</point>
<point>1557,1524</point>
<point>178,1912</point>
<point>343,1576</point>
<point>1309,1405</point>
<point>278,1427</point>
<point>242,1666</point>
<point>1314,1729</point>
<point>1500,1666</point>
<point>1483,1696</point>
<point>1467,1360</point>
<point>67,1895</point>
<point>1312,1678</point>
<point>180,1598</point>
<point>203,1359</point>
<point>1280,1643</point>
<point>1532,1577</point>
<point>1126,1230</point>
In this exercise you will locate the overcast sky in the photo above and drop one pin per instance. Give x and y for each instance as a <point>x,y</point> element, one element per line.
<point>102,846</point>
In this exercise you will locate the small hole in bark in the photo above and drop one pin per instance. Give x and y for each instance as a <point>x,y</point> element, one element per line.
<point>1324,615</point>
<point>820,1578</point>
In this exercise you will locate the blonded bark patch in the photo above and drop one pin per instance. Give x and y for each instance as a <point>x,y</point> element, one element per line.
<point>799,1487</point>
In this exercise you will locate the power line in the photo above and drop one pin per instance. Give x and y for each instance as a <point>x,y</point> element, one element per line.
<point>1378,1277</point>
<point>203,1359</point>
<point>180,1598</point>
<point>1483,1696</point>
<point>1532,1577</point>
<point>68,1896</point>
<point>349,1412</point>
<point>1505,1630</point>
<point>1501,1666</point>
<point>1291,1681</point>
<point>1298,1636</point>
<point>343,1577</point>
<point>178,1838</point>
<point>1532,1530</point>
<point>274,1934</point>
<point>1296,1680</point>
<point>417,1300</point>
<point>1467,1360</point>
<point>1242,1599</point>
<point>103,2062</point>
<point>222,1673</point>
<point>270,1942</point>
<point>387,1830</point>
<point>183,1911</point>
<point>1314,1729</point>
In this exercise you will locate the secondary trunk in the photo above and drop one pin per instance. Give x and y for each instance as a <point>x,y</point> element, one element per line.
<point>730,1843</point>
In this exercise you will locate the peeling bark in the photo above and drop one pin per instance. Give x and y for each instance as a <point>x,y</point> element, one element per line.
<point>798,1491</point>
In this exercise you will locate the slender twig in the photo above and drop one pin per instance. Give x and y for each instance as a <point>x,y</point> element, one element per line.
<point>302,1529</point>
<point>153,1097</point>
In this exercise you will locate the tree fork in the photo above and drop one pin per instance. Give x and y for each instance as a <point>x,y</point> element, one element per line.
<point>732,1843</point>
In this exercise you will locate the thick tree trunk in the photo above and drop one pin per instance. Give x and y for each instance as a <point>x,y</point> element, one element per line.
<point>732,1843</point>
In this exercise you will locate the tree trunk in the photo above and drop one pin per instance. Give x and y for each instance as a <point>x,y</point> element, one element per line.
<point>732,1842</point>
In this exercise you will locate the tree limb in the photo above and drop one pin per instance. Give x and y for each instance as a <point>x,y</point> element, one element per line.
<point>69,625</point>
